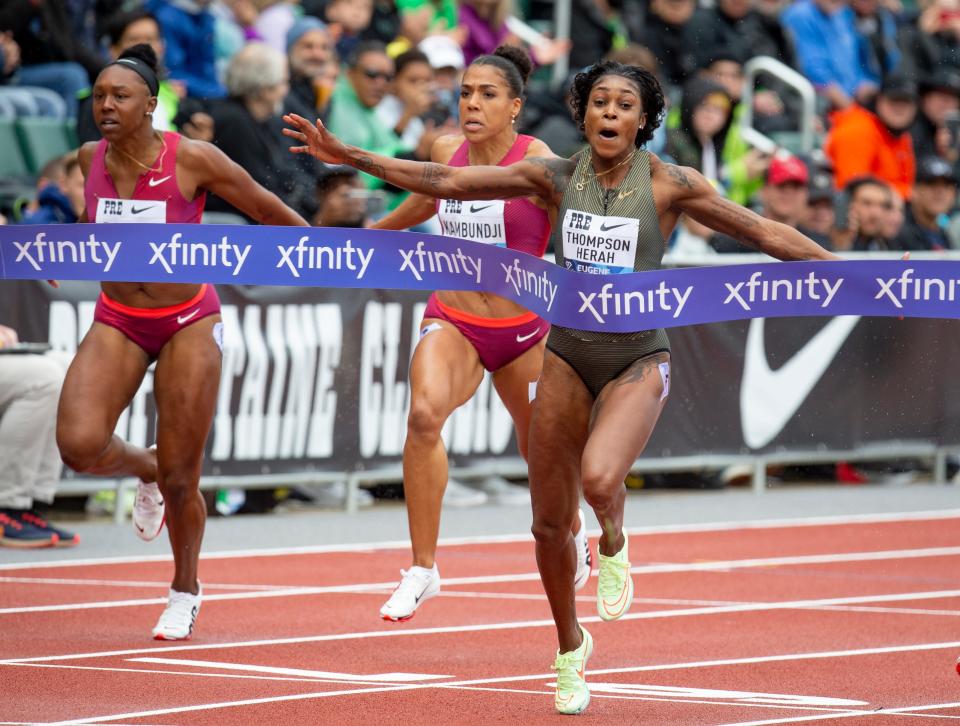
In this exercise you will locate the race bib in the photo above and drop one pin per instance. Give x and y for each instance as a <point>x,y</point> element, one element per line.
<point>599,245</point>
<point>131,210</point>
<point>476,221</point>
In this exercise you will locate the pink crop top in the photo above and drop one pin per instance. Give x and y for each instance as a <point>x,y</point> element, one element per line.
<point>517,224</point>
<point>105,205</point>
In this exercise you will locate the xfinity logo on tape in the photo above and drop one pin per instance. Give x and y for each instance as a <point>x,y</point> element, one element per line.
<point>760,290</point>
<point>420,261</point>
<point>636,301</point>
<point>530,282</point>
<point>40,251</point>
<point>323,257</point>
<point>910,289</point>
<point>198,254</point>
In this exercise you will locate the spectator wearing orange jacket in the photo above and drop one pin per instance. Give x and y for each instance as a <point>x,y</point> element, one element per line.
<point>875,140</point>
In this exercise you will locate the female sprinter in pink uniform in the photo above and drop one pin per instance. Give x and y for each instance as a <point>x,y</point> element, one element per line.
<point>463,333</point>
<point>135,174</point>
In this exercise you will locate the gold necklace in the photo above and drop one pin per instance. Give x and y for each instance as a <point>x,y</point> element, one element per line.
<point>158,163</point>
<point>583,179</point>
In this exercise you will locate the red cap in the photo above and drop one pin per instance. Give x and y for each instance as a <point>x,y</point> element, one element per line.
<point>791,169</point>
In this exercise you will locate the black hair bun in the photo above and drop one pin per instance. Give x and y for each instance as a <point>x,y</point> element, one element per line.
<point>142,52</point>
<point>518,57</point>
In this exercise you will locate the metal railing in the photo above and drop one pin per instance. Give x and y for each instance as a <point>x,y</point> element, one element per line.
<point>765,64</point>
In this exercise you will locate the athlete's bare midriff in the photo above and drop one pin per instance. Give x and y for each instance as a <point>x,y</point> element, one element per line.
<point>481,304</point>
<point>150,294</point>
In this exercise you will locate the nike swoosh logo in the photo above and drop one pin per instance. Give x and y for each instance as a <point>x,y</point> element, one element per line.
<point>417,599</point>
<point>621,601</point>
<point>184,318</point>
<point>475,209</point>
<point>525,338</point>
<point>156,182</point>
<point>769,399</point>
<point>605,228</point>
<point>134,210</point>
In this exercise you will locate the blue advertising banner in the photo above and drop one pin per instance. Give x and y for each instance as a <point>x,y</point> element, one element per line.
<point>360,258</point>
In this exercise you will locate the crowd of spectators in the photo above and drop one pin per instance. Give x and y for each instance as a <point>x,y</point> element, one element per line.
<point>383,74</point>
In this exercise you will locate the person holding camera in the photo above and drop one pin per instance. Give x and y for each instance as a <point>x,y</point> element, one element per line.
<point>862,216</point>
<point>412,95</point>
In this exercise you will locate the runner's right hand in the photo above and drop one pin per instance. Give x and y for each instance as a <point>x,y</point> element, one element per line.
<point>317,140</point>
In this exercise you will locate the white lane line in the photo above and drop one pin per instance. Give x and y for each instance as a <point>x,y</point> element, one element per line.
<point>375,678</point>
<point>88,582</point>
<point>476,594</point>
<point>372,547</point>
<point>904,710</point>
<point>229,704</point>
<point>460,685</point>
<point>199,674</point>
<point>474,682</point>
<point>659,568</point>
<point>484,627</point>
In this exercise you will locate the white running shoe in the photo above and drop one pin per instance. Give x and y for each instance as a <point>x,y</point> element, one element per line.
<point>148,511</point>
<point>418,584</point>
<point>176,622</point>
<point>584,559</point>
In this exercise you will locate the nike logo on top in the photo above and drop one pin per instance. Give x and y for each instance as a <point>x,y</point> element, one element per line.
<point>768,398</point>
<point>134,210</point>
<point>524,338</point>
<point>474,208</point>
<point>605,228</point>
<point>184,318</point>
<point>156,182</point>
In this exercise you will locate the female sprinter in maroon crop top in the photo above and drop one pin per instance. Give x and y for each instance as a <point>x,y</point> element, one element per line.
<point>177,325</point>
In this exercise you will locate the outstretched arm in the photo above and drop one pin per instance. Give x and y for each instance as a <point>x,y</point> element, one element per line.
<point>527,178</point>
<point>216,172</point>
<point>695,196</point>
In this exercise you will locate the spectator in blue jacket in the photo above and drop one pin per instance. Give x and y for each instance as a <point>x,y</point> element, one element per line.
<point>188,34</point>
<point>829,50</point>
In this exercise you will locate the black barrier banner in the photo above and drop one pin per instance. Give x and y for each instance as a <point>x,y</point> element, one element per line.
<point>317,379</point>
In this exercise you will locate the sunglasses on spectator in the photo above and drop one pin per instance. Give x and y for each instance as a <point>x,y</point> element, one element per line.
<point>374,75</point>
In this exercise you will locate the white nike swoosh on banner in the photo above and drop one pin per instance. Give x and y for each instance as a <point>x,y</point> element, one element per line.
<point>525,338</point>
<point>155,182</point>
<point>184,318</point>
<point>769,399</point>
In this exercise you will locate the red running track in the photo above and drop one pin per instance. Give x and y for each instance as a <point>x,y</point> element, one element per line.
<point>847,622</point>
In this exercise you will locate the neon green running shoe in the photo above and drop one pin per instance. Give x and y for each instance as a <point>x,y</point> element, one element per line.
<point>614,584</point>
<point>573,695</point>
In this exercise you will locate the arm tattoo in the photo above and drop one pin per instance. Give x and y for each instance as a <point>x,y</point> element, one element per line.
<point>734,214</point>
<point>679,177</point>
<point>556,172</point>
<point>432,175</point>
<point>368,165</point>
